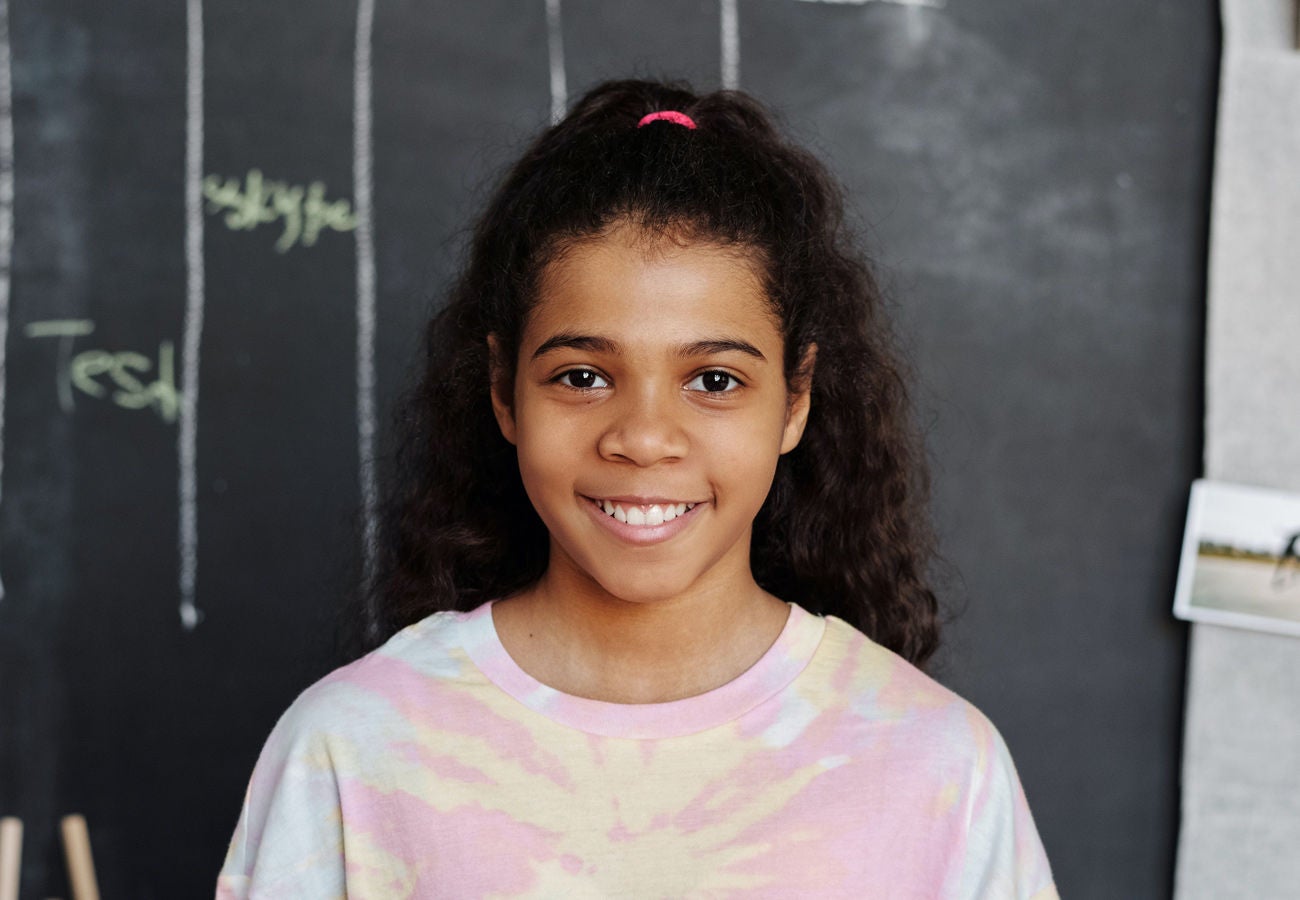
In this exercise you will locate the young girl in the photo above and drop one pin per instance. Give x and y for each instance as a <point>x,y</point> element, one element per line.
<point>653,596</point>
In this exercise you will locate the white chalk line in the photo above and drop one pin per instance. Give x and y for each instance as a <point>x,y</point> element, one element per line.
<point>730,45</point>
<point>6,217</point>
<point>555,50</point>
<point>363,205</point>
<point>933,4</point>
<point>187,443</point>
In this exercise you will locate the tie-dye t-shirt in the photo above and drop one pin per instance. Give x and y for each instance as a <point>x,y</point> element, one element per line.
<point>436,767</point>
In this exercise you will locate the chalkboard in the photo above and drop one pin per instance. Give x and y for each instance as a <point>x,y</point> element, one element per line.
<point>229,221</point>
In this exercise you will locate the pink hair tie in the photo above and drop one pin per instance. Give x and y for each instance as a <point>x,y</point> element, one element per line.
<point>667,115</point>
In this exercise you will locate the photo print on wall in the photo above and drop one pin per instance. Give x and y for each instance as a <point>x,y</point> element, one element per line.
<point>1240,563</point>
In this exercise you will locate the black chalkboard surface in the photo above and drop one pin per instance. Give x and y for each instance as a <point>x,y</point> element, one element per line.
<point>185,407</point>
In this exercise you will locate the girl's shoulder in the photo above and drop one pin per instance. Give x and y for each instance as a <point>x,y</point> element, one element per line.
<point>893,710</point>
<point>389,682</point>
<point>876,686</point>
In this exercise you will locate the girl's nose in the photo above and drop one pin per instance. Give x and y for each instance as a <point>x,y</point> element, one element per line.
<point>644,430</point>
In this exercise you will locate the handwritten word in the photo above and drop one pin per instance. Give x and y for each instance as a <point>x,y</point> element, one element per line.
<point>305,211</point>
<point>92,372</point>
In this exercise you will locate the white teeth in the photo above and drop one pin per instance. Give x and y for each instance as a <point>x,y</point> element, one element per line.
<point>655,514</point>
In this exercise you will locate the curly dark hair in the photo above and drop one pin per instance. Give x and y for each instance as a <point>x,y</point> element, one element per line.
<point>845,528</point>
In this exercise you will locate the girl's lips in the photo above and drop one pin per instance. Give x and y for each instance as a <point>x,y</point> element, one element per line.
<point>641,534</point>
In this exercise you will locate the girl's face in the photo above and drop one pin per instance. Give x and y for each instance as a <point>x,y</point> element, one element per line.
<point>649,385</point>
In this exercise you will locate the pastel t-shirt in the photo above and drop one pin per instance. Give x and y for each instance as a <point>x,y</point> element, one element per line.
<point>436,767</point>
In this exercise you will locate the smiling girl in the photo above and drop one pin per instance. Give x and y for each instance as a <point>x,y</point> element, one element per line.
<point>653,601</point>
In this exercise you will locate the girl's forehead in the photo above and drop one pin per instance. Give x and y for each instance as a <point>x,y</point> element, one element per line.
<point>629,278</point>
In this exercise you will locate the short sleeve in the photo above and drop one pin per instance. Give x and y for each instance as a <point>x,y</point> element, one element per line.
<point>1004,855</point>
<point>289,838</point>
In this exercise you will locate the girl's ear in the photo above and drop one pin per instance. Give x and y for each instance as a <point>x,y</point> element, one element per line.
<point>800,401</point>
<point>501,389</point>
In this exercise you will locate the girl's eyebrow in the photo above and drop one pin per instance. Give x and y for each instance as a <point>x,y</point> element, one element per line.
<point>594,344</point>
<point>569,340</point>
<point>719,345</point>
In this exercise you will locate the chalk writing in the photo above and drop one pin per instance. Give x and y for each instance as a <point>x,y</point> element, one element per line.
<point>111,375</point>
<point>258,201</point>
<point>65,330</point>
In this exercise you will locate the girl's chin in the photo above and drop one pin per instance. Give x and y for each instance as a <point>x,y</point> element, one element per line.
<point>604,583</point>
<point>640,594</point>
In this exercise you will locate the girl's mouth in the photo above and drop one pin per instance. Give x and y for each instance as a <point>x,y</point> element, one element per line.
<point>642,514</point>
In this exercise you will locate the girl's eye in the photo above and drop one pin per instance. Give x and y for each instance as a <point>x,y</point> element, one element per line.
<point>582,379</point>
<point>713,382</point>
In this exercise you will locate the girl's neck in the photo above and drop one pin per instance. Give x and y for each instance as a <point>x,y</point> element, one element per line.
<point>585,642</point>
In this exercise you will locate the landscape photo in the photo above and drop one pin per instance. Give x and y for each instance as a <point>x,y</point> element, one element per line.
<point>1240,563</point>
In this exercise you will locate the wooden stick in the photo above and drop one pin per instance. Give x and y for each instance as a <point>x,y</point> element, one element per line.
<point>11,856</point>
<point>76,850</point>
